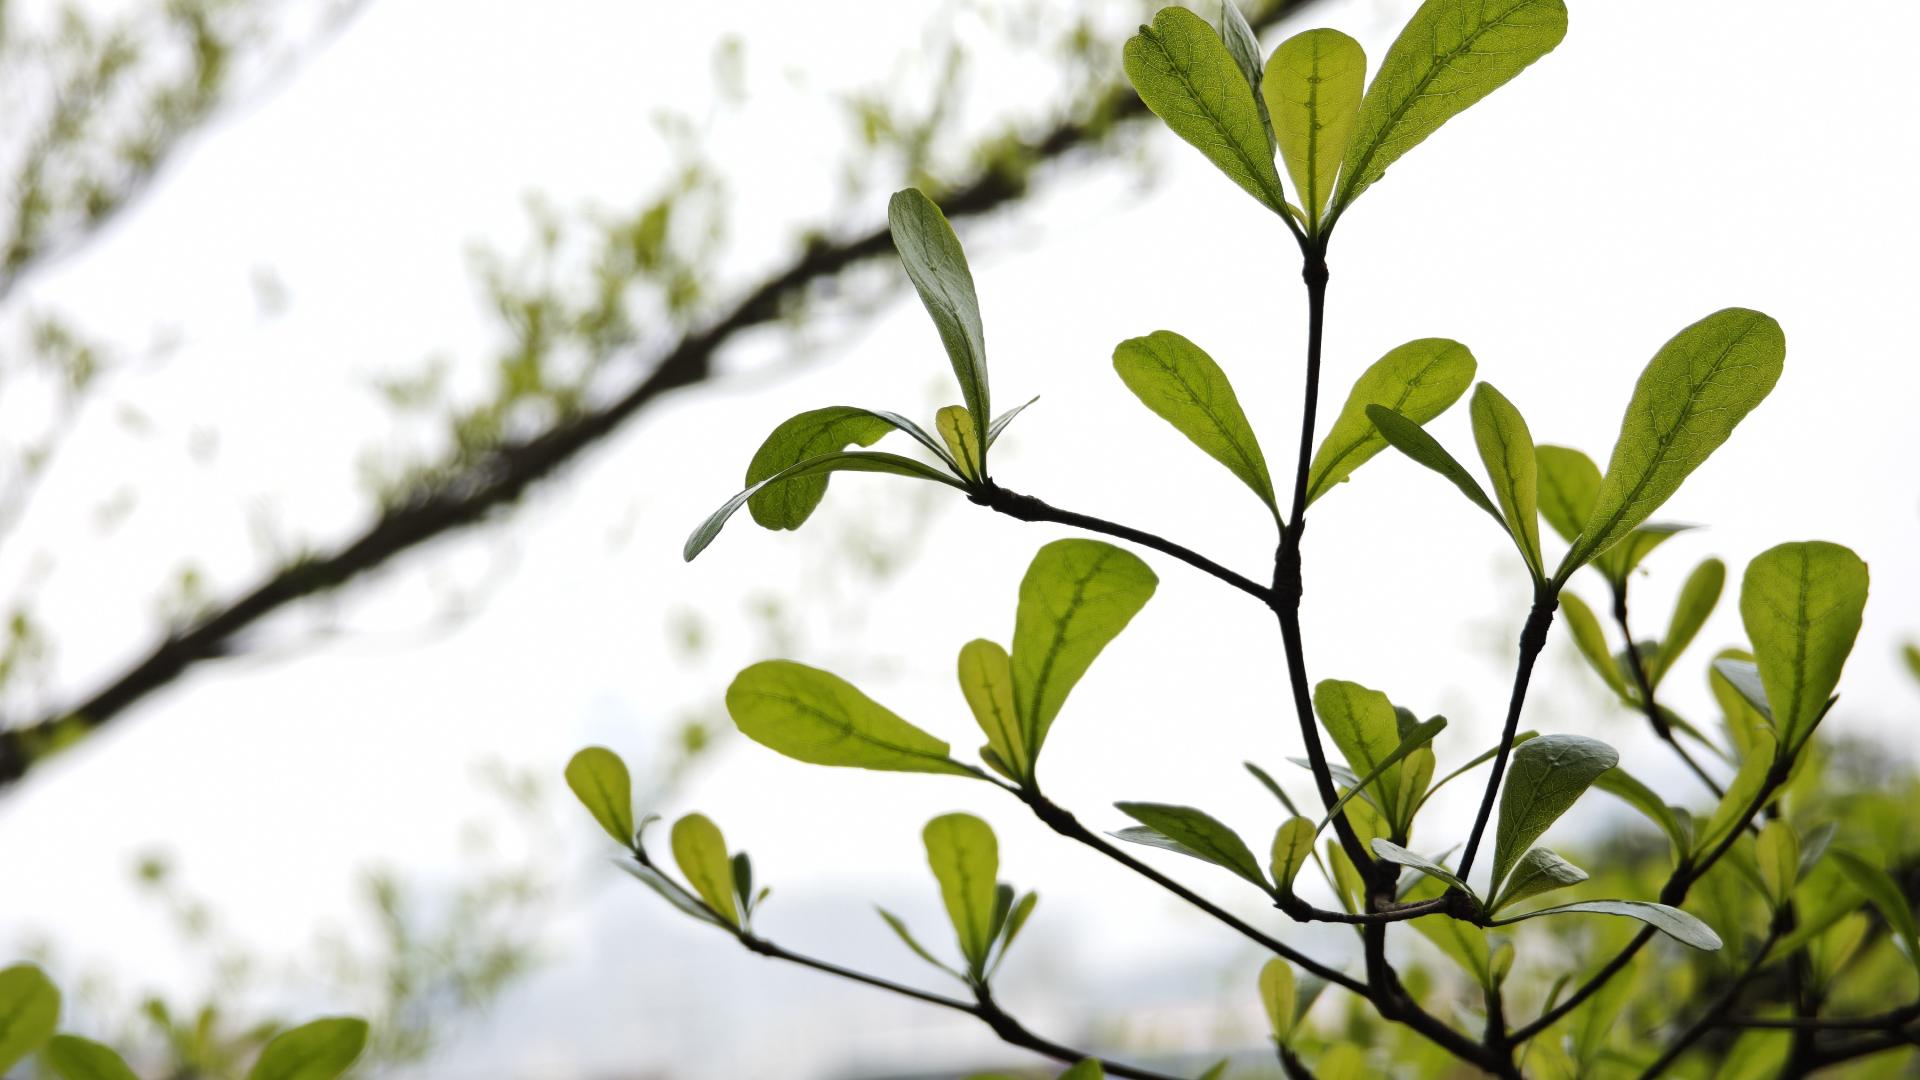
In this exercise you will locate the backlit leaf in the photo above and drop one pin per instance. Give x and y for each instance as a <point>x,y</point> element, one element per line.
<point>965,858</point>
<point>1312,89</point>
<point>701,852</point>
<point>1569,482</point>
<point>1185,74</point>
<point>810,434</point>
<point>817,717</point>
<point>1418,380</point>
<point>899,927</point>
<point>1077,595</point>
<point>1200,834</point>
<point>1886,896</point>
<point>986,679</point>
<point>959,433</point>
<point>1278,996</point>
<point>846,461</point>
<point>937,266</point>
<point>1394,853</point>
<point>1776,851</point>
<point>1671,921</point>
<point>1621,784</point>
<point>1181,384</point>
<point>1587,636</point>
<point>319,1050</point>
<point>600,781</point>
<point>29,1011</point>
<point>1292,847</point>
<point>75,1058</point>
<point>1737,805</point>
<point>1546,776</point>
<point>1364,727</point>
<point>1506,449</point>
<point>1407,437</point>
<point>1801,604</point>
<point>1698,597</point>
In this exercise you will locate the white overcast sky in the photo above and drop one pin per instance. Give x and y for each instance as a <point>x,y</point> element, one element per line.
<point>1672,157</point>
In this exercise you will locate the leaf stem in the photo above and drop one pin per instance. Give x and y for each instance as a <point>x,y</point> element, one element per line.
<point>1638,668</point>
<point>1533,638</point>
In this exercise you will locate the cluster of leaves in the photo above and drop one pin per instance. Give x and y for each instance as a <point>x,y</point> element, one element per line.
<point>1309,106</point>
<point>30,1018</point>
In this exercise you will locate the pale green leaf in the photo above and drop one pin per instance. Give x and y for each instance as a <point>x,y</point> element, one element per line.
<point>1620,560</point>
<point>1182,385</point>
<point>1801,604</point>
<point>1506,449</point>
<point>1464,943</point>
<point>1244,46</point>
<point>817,717</point>
<point>1687,402</point>
<point>1394,853</point>
<point>1312,90</point>
<point>1410,439</point>
<point>29,1011</point>
<point>1736,806</point>
<point>958,432</point>
<point>1000,422</point>
<point>1416,738</point>
<point>1186,75</point>
<point>1546,776</point>
<point>1569,482</point>
<point>1292,847</point>
<point>900,930</point>
<point>1539,871</point>
<point>965,858</point>
<point>986,679</point>
<point>1622,784</point>
<point>1364,727</point>
<point>1280,997</point>
<point>1671,921</point>
<point>1418,380</point>
<point>1200,834</point>
<point>600,781</point>
<point>1698,597</point>
<point>318,1050</point>
<point>1738,687</point>
<point>798,438</point>
<point>1451,54</point>
<point>1776,851</point>
<point>1885,895</point>
<point>1077,595</point>
<point>1591,640</point>
<point>664,886</point>
<point>701,852</point>
<point>75,1058</point>
<point>937,266</point>
<point>847,461</point>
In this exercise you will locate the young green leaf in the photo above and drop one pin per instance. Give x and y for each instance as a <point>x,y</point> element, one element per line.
<point>1547,775</point>
<point>1464,943</point>
<point>1017,918</point>
<point>1394,853</point>
<point>1736,806</point>
<point>1077,595</point>
<point>1569,482</point>
<point>1539,871</point>
<point>1415,776</point>
<point>75,1058</point>
<point>600,781</point>
<point>1199,834</point>
<point>1622,784</point>
<point>1587,636</point>
<point>1506,449</point>
<point>817,717</point>
<point>1292,847</point>
<point>1184,73</point>
<point>1244,46</point>
<point>986,679</point>
<point>1312,90</point>
<point>670,892</point>
<point>1619,561</point>
<point>1671,921</point>
<point>1687,402</point>
<point>1086,1069</point>
<point>1451,54</point>
<point>1273,787</point>
<point>798,438</point>
<point>29,1011</point>
<point>1884,893</point>
<point>937,266</point>
<point>1145,837</point>
<point>318,1050</point>
<point>958,431</point>
<point>965,858</point>
<point>1698,597</point>
<point>1801,604</point>
<point>1279,996</point>
<point>1000,422</point>
<point>1777,852</point>
<point>846,461</point>
<point>1737,686</point>
<point>1401,796</point>
<point>701,851</point>
<point>1364,727</point>
<point>905,935</point>
<point>1181,384</point>
<point>1407,437</point>
<point>1418,380</point>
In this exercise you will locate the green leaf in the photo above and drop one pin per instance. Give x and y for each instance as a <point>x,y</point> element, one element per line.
<point>1407,437</point>
<point>1776,851</point>
<point>1482,759</point>
<point>1145,837</point>
<point>1000,422</point>
<point>1620,560</point>
<point>1587,636</point>
<point>318,1050</point>
<point>1292,847</point>
<point>1272,786</point>
<point>798,438</point>
<point>1085,1069</point>
<point>1688,400</point>
<point>1364,727</point>
<point>1181,384</point>
<point>1546,777</point>
<point>986,679</point>
<point>1280,997</point>
<point>1244,46</point>
<point>958,431</point>
<point>817,717</point>
<point>1077,596</point>
<point>1622,784</point>
<point>29,1011</point>
<point>1884,893</point>
<point>1186,75</point>
<point>1216,1071</point>
<point>847,461</point>
<point>1569,482</point>
<point>1451,54</point>
<point>664,886</point>
<point>1016,919</point>
<point>900,929</point>
<point>1698,597</point>
<point>1394,853</point>
<point>1199,834</point>
<point>1735,806</point>
<point>1464,943</point>
<point>701,851</point>
<point>1738,687</point>
<point>1312,89</point>
<point>1401,799</point>
<point>1671,921</point>
<point>1539,871</point>
<point>966,860</point>
<point>1506,448</point>
<point>75,1058</point>
<point>1418,380</point>
<point>1801,604</point>
<point>937,266</point>
<point>600,781</point>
